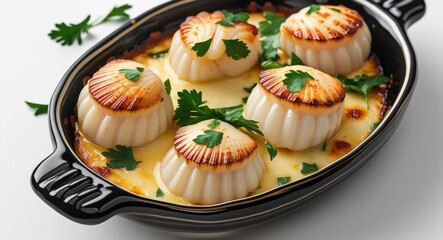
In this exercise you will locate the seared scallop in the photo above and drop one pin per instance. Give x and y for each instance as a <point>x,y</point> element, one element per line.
<point>301,119</point>
<point>215,63</point>
<point>334,39</point>
<point>115,108</point>
<point>206,174</point>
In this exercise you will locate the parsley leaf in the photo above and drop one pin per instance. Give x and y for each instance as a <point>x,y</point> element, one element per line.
<point>158,54</point>
<point>201,48</point>
<point>132,74</point>
<point>39,108</point>
<point>210,138</point>
<point>271,25</point>
<point>230,18</point>
<point>270,64</point>
<point>159,193</point>
<point>67,34</point>
<point>236,49</point>
<point>373,126</point>
<point>313,9</point>
<point>214,124</point>
<point>283,180</point>
<point>296,80</point>
<point>295,60</point>
<point>308,168</point>
<point>168,87</point>
<point>248,90</point>
<point>270,46</point>
<point>335,9</point>
<point>122,157</point>
<point>271,150</point>
<point>362,84</point>
<point>192,109</point>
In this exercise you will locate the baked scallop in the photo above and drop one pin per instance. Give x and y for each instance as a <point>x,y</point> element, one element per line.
<point>334,39</point>
<point>114,110</point>
<point>215,63</point>
<point>297,120</point>
<point>203,175</point>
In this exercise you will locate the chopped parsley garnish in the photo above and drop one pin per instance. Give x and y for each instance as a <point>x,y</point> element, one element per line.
<point>236,49</point>
<point>157,54</point>
<point>159,193</point>
<point>39,108</point>
<point>231,18</point>
<point>210,138</point>
<point>296,80</point>
<point>248,90</point>
<point>308,168</point>
<point>121,157</point>
<point>201,48</point>
<point>132,74</point>
<point>283,180</point>
<point>271,150</point>
<point>214,124</point>
<point>67,34</point>
<point>270,64</point>
<point>269,30</point>
<point>373,126</point>
<point>295,60</point>
<point>363,84</point>
<point>192,109</point>
<point>335,9</point>
<point>168,87</point>
<point>313,9</point>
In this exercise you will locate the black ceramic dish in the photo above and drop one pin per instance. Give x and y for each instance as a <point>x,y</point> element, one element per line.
<point>81,195</point>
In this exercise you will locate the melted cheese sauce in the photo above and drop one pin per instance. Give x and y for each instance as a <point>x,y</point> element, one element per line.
<point>145,180</point>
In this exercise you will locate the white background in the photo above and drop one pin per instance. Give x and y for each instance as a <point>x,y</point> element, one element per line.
<point>397,195</point>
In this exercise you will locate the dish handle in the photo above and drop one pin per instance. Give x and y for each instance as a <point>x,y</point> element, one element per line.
<point>406,12</point>
<point>69,188</point>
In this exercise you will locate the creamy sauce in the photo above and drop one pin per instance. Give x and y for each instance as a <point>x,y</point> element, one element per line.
<point>145,180</point>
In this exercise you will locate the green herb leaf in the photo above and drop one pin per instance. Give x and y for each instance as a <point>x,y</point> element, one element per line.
<point>271,150</point>
<point>192,109</point>
<point>168,87</point>
<point>214,124</point>
<point>270,64</point>
<point>250,88</point>
<point>335,9</point>
<point>67,34</point>
<point>296,80</point>
<point>295,60</point>
<point>313,9</point>
<point>323,147</point>
<point>363,84</point>
<point>201,48</point>
<point>210,138</point>
<point>373,126</point>
<point>270,46</point>
<point>283,180</point>
<point>39,108</point>
<point>132,74</point>
<point>117,12</point>
<point>236,49</point>
<point>158,54</point>
<point>271,25</point>
<point>308,168</point>
<point>159,193</point>
<point>121,157</point>
<point>231,18</point>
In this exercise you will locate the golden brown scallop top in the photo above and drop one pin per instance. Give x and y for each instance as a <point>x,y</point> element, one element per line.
<point>235,147</point>
<point>204,26</point>
<point>329,23</point>
<point>324,90</point>
<point>113,90</point>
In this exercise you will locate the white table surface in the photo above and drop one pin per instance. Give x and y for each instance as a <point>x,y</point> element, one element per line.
<point>397,195</point>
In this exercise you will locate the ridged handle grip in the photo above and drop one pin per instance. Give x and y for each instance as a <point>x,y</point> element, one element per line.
<point>69,188</point>
<point>406,12</point>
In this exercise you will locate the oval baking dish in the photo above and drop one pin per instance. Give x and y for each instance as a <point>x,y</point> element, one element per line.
<point>78,193</point>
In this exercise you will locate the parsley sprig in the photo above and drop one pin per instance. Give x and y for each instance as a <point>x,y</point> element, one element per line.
<point>248,90</point>
<point>269,64</point>
<point>313,9</point>
<point>132,74</point>
<point>67,34</point>
<point>121,157</point>
<point>235,48</point>
<point>210,138</point>
<point>308,168</point>
<point>363,84</point>
<point>269,29</point>
<point>158,54</point>
<point>296,80</point>
<point>230,18</point>
<point>192,109</point>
